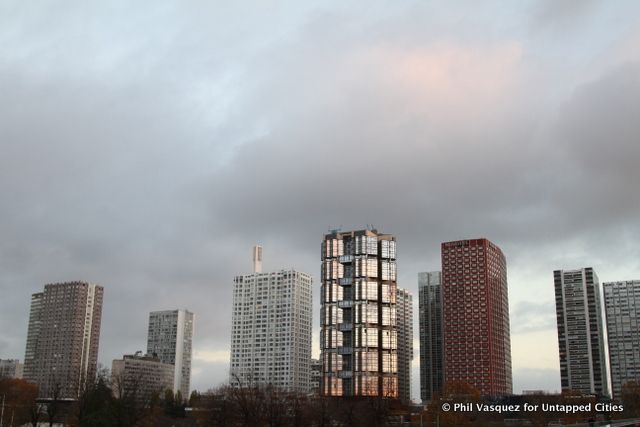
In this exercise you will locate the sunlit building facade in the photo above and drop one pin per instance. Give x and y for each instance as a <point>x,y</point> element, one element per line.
<point>359,334</point>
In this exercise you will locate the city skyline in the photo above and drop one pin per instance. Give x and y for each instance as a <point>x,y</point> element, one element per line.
<point>257,266</point>
<point>147,146</point>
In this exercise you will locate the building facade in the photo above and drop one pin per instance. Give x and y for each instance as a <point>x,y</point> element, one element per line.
<point>316,375</point>
<point>170,338</point>
<point>33,332</point>
<point>62,340</point>
<point>477,342</point>
<point>358,319</point>
<point>431,337</point>
<point>141,377</point>
<point>622,313</point>
<point>404,310</point>
<point>580,331</point>
<point>11,368</point>
<point>271,329</point>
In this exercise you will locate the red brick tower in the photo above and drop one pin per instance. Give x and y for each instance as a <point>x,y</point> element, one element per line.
<point>476,316</point>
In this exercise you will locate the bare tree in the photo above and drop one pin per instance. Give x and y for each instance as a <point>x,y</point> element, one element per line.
<point>53,407</point>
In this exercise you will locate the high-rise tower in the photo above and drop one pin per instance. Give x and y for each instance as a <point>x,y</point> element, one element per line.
<point>359,336</point>
<point>271,329</point>
<point>62,340</point>
<point>431,340</point>
<point>580,331</point>
<point>404,310</point>
<point>476,316</point>
<point>622,312</point>
<point>170,338</point>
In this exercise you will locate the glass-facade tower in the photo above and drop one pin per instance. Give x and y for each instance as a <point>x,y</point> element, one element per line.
<point>358,316</point>
<point>431,340</point>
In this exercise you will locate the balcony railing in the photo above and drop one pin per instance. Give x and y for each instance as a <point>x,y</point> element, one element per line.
<point>345,326</point>
<point>345,304</point>
<point>345,259</point>
<point>345,350</point>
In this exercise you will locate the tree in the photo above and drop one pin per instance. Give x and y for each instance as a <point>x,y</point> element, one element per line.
<point>630,397</point>
<point>452,392</point>
<point>19,400</point>
<point>54,405</point>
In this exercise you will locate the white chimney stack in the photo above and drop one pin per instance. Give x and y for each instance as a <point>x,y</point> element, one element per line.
<point>257,259</point>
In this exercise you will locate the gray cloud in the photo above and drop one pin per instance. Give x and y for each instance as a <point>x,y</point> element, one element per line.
<point>531,316</point>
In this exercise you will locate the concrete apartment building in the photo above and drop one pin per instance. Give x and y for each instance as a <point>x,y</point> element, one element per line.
<point>141,377</point>
<point>622,313</point>
<point>359,332</point>
<point>170,338</point>
<point>62,340</point>
<point>404,310</point>
<point>477,341</point>
<point>33,332</point>
<point>271,328</point>
<point>11,368</point>
<point>431,336</point>
<point>316,376</point>
<point>580,331</point>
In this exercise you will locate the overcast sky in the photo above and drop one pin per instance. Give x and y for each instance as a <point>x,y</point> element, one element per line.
<point>147,146</point>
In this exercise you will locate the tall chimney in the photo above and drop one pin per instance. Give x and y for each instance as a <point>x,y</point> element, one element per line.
<point>257,259</point>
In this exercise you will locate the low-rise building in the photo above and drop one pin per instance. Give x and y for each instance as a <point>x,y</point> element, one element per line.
<point>141,377</point>
<point>316,375</point>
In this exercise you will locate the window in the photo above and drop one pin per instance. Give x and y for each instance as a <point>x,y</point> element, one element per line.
<point>388,270</point>
<point>389,339</point>
<point>366,290</point>
<point>389,362</point>
<point>366,313</point>
<point>388,316</point>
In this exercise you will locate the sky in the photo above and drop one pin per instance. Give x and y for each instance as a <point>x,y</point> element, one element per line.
<point>148,146</point>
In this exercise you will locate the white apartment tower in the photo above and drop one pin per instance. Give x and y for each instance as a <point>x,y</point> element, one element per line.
<point>622,311</point>
<point>170,339</point>
<point>580,331</point>
<point>271,328</point>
